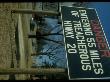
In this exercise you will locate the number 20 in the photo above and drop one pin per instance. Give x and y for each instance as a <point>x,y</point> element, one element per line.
<point>71,48</point>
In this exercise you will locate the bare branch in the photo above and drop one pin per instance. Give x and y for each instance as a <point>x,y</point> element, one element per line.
<point>53,28</point>
<point>58,42</point>
<point>59,30</point>
<point>51,34</point>
<point>49,48</point>
<point>55,48</point>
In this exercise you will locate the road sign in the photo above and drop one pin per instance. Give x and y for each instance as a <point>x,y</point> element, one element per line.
<point>87,49</point>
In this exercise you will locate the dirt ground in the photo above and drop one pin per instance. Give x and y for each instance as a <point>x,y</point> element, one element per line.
<point>8,23</point>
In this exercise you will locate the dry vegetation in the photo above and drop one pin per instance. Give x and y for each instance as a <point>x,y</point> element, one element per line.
<point>7,35</point>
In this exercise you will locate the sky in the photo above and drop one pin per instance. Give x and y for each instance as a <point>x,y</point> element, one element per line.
<point>103,10</point>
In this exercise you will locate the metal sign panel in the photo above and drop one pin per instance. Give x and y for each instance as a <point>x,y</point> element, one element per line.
<point>86,45</point>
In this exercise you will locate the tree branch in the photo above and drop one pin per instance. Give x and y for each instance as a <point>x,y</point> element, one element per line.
<point>51,34</point>
<point>58,42</point>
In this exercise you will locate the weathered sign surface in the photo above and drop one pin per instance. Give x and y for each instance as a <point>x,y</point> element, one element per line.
<point>86,45</point>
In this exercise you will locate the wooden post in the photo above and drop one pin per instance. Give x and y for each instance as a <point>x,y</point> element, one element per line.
<point>32,71</point>
<point>27,11</point>
<point>32,35</point>
<point>21,45</point>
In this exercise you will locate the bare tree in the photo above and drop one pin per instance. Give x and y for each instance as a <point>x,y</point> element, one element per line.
<point>51,37</point>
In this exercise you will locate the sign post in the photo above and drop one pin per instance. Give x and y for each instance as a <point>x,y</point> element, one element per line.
<point>87,49</point>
